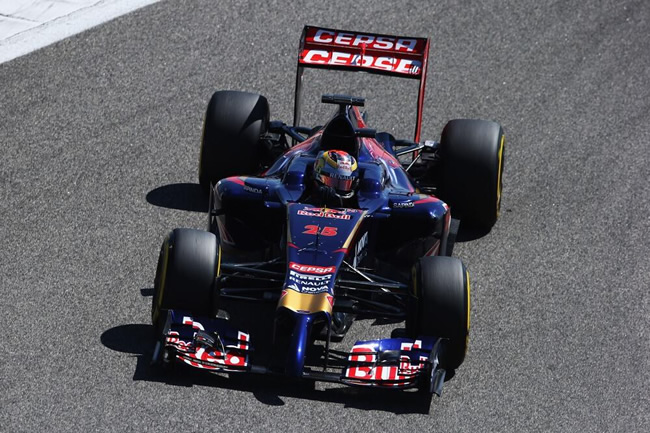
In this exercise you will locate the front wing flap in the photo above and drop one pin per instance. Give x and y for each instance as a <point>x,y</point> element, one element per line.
<point>392,362</point>
<point>211,344</point>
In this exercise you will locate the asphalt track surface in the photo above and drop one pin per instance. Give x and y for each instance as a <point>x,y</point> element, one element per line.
<point>100,137</point>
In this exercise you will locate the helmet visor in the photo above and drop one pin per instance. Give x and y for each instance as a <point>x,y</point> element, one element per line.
<point>336,183</point>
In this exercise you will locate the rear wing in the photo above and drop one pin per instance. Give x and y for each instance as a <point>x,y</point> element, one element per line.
<point>396,56</point>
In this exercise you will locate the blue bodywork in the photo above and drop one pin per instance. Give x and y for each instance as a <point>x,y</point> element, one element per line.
<point>252,209</point>
<point>389,221</point>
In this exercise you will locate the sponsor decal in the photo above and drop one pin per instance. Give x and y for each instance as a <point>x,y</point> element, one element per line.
<point>309,279</point>
<point>307,289</point>
<point>395,55</point>
<point>364,367</point>
<point>360,250</point>
<point>384,63</point>
<point>197,354</point>
<point>252,189</point>
<point>324,213</point>
<point>213,360</point>
<point>324,36</point>
<point>403,204</point>
<point>312,269</point>
<point>309,283</point>
<point>363,353</point>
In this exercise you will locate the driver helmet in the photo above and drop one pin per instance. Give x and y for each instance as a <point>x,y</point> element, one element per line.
<point>338,171</point>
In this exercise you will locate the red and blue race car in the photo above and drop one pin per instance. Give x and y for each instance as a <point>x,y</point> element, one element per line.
<point>330,224</point>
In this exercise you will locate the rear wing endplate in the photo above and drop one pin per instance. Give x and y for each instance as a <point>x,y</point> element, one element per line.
<point>396,56</point>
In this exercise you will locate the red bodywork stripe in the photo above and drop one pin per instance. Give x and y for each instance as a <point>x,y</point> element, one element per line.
<point>426,200</point>
<point>237,180</point>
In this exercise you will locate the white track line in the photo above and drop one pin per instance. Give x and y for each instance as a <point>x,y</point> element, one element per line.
<point>27,25</point>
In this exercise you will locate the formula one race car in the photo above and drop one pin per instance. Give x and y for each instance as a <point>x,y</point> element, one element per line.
<point>330,225</point>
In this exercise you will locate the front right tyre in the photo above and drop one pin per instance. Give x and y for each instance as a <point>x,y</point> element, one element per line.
<point>188,265</point>
<point>440,306</point>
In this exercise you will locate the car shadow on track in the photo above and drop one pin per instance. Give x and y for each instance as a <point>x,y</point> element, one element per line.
<point>466,234</point>
<point>181,196</point>
<point>138,340</point>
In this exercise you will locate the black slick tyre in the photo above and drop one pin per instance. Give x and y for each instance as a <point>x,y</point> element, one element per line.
<point>188,265</point>
<point>441,306</point>
<point>471,152</point>
<point>230,145</point>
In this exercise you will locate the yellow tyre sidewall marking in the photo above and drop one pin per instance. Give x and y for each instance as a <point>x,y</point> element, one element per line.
<point>219,261</point>
<point>500,168</point>
<point>468,293</point>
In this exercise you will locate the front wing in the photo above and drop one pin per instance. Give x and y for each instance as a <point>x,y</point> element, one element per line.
<point>215,345</point>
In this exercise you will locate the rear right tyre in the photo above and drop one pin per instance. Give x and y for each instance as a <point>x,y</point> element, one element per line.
<point>230,146</point>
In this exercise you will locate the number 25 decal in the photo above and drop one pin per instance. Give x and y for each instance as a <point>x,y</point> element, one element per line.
<point>311,229</point>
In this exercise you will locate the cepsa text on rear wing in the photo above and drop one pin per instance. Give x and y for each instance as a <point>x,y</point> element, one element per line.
<point>375,53</point>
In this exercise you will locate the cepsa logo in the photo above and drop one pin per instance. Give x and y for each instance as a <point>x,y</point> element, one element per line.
<point>400,66</point>
<point>406,45</point>
<point>363,51</point>
<point>311,269</point>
